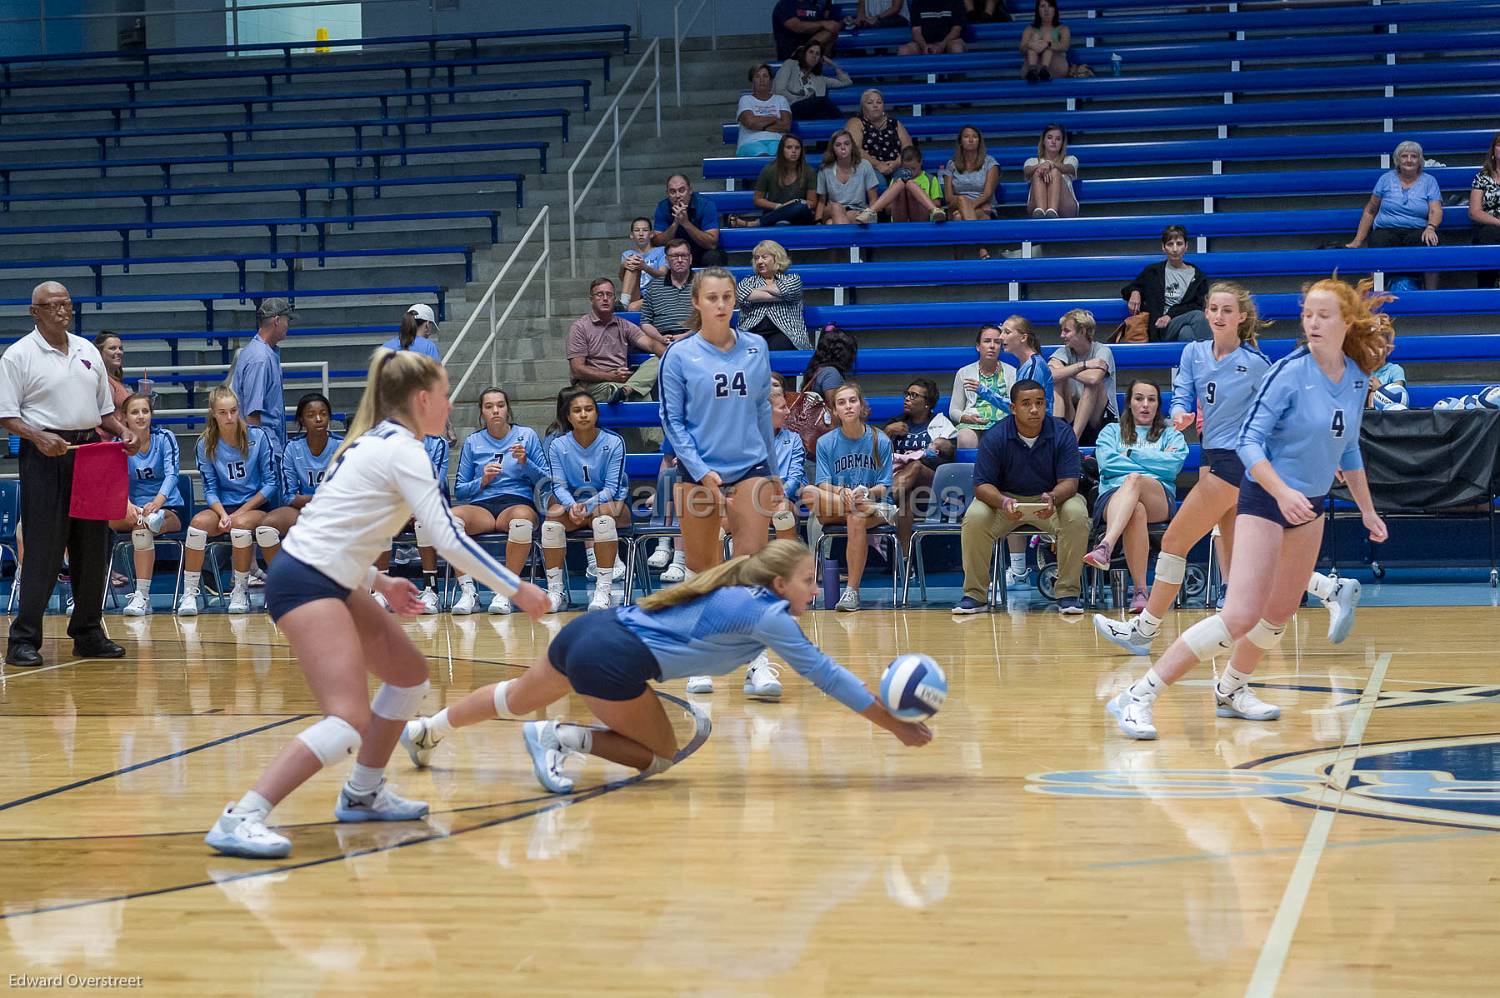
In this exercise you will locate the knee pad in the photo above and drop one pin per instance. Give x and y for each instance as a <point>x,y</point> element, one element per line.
<point>1170,568</point>
<point>605,531</point>
<point>502,704</point>
<point>1208,638</point>
<point>520,532</point>
<point>331,739</point>
<point>424,539</point>
<point>240,538</point>
<point>267,537</point>
<point>658,765</point>
<point>142,539</point>
<point>784,520</point>
<point>1265,635</point>
<point>197,540</point>
<point>398,703</point>
<point>553,535</point>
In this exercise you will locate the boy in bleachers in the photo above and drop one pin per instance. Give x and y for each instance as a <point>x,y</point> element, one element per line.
<point>640,264</point>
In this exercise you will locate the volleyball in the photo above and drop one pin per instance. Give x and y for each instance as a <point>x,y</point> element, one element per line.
<point>913,687</point>
<point>1489,398</point>
<point>1390,397</point>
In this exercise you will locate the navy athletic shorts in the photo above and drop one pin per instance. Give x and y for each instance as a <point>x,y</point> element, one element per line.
<point>602,658</point>
<point>495,505</point>
<point>1225,463</point>
<point>291,583</point>
<point>1256,501</point>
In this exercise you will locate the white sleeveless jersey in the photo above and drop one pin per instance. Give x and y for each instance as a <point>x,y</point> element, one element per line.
<point>380,481</point>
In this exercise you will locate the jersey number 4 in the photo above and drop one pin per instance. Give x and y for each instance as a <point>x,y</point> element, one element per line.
<point>1338,423</point>
<point>724,384</point>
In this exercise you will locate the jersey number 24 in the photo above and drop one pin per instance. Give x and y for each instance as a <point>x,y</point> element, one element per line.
<point>724,384</point>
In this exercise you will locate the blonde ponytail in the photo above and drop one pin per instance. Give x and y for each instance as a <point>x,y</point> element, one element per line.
<point>777,559</point>
<point>393,376</point>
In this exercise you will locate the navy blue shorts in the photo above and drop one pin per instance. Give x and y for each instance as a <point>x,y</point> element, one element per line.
<point>761,470</point>
<point>1256,501</point>
<point>291,583</point>
<point>1225,463</point>
<point>496,505</point>
<point>602,658</point>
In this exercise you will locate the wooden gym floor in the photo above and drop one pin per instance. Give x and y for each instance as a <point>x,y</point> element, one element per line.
<point>1349,848</point>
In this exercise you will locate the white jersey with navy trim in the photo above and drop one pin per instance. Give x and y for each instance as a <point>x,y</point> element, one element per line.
<point>716,405</point>
<point>1305,424</point>
<point>1225,388</point>
<point>379,482</point>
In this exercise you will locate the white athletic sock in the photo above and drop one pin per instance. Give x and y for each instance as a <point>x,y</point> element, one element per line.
<point>1148,686</point>
<point>1148,624</point>
<point>665,544</point>
<point>1322,586</point>
<point>1231,680</point>
<point>679,557</point>
<point>1017,562</point>
<point>366,779</point>
<point>554,580</point>
<point>576,738</point>
<point>439,725</point>
<point>143,586</point>
<point>253,802</point>
<point>588,553</point>
<point>241,579</point>
<point>466,581</point>
<point>191,581</point>
<point>688,574</point>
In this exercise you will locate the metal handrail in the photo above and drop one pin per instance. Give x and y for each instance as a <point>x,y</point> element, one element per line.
<point>543,262</point>
<point>612,114</point>
<point>296,365</point>
<point>678,31</point>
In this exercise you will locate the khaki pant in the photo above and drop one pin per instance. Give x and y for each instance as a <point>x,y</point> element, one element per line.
<point>641,383</point>
<point>984,525</point>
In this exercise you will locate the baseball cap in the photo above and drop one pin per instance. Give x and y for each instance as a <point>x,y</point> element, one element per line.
<point>273,307</point>
<point>423,312</point>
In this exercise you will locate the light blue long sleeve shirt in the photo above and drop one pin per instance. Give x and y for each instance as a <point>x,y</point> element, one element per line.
<point>716,405</point>
<point>590,475</point>
<point>717,633</point>
<point>516,478</point>
<point>155,472</point>
<point>791,460</point>
<point>233,476</point>
<point>1225,388</point>
<point>1161,458</point>
<point>1304,424</point>
<point>302,471</point>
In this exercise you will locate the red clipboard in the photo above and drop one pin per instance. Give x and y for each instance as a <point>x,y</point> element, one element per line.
<point>101,481</point>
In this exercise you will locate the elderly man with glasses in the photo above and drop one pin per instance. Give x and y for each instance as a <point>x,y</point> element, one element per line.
<point>922,440</point>
<point>599,347</point>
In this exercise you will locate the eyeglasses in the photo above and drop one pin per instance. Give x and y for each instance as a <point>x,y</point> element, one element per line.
<point>56,306</point>
<point>679,256</point>
<point>604,295</point>
<point>919,395</point>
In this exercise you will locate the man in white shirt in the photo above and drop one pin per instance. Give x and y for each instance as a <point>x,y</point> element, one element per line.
<point>54,393</point>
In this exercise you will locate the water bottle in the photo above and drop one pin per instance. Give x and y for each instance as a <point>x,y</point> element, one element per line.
<point>830,583</point>
<point>5,530</point>
<point>1114,62</point>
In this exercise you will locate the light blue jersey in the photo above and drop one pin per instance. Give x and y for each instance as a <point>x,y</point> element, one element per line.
<point>419,344</point>
<point>438,450</point>
<point>154,473</point>
<point>1389,374</point>
<point>516,478</point>
<point>865,460</point>
<point>590,475</point>
<point>716,405</point>
<point>1304,424</point>
<point>233,476</point>
<point>791,461</point>
<point>1161,459</point>
<point>301,470</point>
<point>718,633</point>
<point>1225,388</point>
<point>1036,369</point>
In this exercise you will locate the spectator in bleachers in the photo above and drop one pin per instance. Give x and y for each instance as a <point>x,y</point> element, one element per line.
<point>787,188</point>
<point>878,136</point>
<point>879,14</point>
<point>238,465</point>
<point>764,117</point>
<point>1084,373</point>
<point>685,215</point>
<point>256,378</point>
<point>1030,458</point>
<point>831,364</point>
<point>1044,44</point>
<point>156,506</point>
<point>971,180</point>
<point>1388,381</point>
<point>790,460</point>
<point>599,350</point>
<point>1484,208</point>
<point>981,390</point>
<point>803,82</point>
<point>921,196</point>
<point>305,460</point>
<point>1051,173</point>
<point>1018,339</point>
<point>668,303</point>
<point>922,440</point>
<point>986,10</point>
<point>1171,293</point>
<point>589,491</point>
<point>1139,459</point>
<point>853,483</point>
<point>770,299</point>
<point>499,469</point>
<point>848,186</point>
<point>112,349</point>
<point>1405,208</point>
<point>798,22</point>
<point>418,333</point>
<point>640,264</point>
<point>937,28</point>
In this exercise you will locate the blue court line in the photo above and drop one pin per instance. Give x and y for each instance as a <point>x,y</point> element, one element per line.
<point>1281,850</point>
<point>149,762</point>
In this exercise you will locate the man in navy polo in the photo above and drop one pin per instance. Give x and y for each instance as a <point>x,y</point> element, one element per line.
<point>1030,458</point>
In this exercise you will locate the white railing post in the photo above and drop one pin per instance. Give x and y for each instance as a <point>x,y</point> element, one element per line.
<point>494,358</point>
<point>677,49</point>
<point>547,272</point>
<point>656,75</point>
<point>617,154</point>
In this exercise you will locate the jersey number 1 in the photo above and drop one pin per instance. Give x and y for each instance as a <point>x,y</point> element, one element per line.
<point>724,384</point>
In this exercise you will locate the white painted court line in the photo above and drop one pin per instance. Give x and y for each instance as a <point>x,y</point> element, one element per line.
<point>22,674</point>
<point>1278,942</point>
